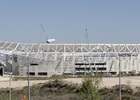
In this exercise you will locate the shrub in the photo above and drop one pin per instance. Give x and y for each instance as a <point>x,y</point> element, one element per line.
<point>90,87</point>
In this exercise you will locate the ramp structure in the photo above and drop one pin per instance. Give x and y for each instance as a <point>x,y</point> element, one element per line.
<point>50,59</point>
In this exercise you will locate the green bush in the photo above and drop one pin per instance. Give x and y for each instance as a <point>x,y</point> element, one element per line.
<point>90,87</point>
<point>87,89</point>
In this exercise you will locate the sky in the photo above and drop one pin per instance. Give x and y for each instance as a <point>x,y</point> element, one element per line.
<point>106,21</point>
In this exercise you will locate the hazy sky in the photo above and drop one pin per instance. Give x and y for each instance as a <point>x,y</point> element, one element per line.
<point>107,21</point>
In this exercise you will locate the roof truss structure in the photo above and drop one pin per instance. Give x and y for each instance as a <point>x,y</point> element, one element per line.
<point>54,51</point>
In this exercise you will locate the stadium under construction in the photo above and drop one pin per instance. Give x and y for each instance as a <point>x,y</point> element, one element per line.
<point>58,59</point>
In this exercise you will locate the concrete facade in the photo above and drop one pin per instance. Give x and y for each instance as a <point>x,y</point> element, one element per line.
<point>39,67</point>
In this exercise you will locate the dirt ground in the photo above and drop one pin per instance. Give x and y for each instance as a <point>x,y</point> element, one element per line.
<point>133,81</point>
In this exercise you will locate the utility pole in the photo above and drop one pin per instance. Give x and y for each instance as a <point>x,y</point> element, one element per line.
<point>10,75</point>
<point>28,78</point>
<point>29,72</point>
<point>85,64</point>
<point>119,78</point>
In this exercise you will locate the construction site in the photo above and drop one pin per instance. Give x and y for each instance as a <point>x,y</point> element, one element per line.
<point>68,59</point>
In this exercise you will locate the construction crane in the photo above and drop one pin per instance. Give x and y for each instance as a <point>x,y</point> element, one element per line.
<point>87,40</point>
<point>47,40</point>
<point>87,36</point>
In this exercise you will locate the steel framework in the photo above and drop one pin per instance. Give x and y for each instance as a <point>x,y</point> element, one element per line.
<point>55,51</point>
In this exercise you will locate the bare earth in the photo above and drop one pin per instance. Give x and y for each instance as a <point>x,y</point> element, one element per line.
<point>133,81</point>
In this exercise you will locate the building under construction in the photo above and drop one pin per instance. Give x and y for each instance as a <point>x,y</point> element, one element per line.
<point>58,59</point>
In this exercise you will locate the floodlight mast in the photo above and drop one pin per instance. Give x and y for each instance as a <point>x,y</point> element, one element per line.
<point>47,40</point>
